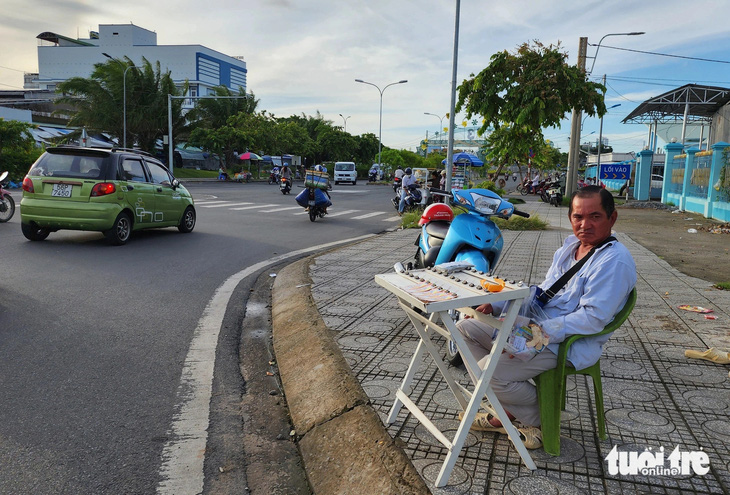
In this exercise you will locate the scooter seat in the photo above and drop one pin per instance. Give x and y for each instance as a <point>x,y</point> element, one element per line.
<point>437,232</point>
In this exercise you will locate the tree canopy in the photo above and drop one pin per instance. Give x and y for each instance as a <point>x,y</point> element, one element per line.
<point>521,93</point>
<point>17,148</point>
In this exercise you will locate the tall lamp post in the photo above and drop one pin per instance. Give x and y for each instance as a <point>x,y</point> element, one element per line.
<point>124,97</point>
<point>380,131</point>
<point>441,121</point>
<point>575,129</point>
<point>345,120</point>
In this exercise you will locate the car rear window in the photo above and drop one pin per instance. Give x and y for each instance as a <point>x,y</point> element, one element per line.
<point>70,166</point>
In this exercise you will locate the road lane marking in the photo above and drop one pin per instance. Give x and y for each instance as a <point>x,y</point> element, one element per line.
<point>209,202</point>
<point>254,206</point>
<point>183,456</point>
<point>281,209</point>
<point>392,219</point>
<point>227,204</point>
<point>337,214</point>
<point>368,215</point>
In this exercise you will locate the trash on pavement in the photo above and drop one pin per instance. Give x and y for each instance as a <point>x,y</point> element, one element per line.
<point>694,309</point>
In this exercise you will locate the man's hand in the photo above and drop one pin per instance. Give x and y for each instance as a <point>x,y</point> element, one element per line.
<point>484,308</point>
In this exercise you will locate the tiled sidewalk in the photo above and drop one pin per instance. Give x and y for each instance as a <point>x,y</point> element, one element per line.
<point>654,396</point>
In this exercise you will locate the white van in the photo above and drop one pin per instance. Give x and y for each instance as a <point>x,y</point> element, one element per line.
<point>345,172</point>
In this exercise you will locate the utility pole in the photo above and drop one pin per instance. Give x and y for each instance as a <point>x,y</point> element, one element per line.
<point>574,150</point>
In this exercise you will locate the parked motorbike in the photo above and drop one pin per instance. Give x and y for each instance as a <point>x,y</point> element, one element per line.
<point>471,237</point>
<point>413,198</point>
<point>555,197</point>
<point>285,185</point>
<point>524,187</point>
<point>7,203</point>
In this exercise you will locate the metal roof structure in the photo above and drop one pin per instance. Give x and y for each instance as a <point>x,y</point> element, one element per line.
<point>59,39</point>
<point>699,103</point>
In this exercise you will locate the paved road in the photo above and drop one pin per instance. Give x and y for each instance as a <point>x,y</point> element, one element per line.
<point>94,339</point>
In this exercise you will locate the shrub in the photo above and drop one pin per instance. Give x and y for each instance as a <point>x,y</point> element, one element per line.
<point>521,223</point>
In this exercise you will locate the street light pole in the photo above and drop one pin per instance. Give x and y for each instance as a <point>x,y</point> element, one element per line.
<point>632,33</point>
<point>381,91</point>
<point>124,97</point>
<point>345,119</point>
<point>441,121</point>
<point>573,152</point>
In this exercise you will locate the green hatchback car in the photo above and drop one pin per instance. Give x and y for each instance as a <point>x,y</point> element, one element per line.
<point>113,191</point>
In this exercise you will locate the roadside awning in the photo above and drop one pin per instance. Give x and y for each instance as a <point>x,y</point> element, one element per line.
<point>700,103</point>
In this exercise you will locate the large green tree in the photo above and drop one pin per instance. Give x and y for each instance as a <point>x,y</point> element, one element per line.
<point>214,129</point>
<point>98,102</point>
<point>521,93</point>
<point>17,148</point>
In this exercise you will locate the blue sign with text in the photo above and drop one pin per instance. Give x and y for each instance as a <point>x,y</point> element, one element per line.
<point>610,171</point>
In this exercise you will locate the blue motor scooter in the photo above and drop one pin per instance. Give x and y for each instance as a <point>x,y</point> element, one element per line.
<point>471,237</point>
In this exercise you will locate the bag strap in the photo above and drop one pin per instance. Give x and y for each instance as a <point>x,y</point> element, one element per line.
<point>545,296</point>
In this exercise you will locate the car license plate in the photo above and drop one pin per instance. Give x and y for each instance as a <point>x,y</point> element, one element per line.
<point>62,190</point>
<point>311,202</point>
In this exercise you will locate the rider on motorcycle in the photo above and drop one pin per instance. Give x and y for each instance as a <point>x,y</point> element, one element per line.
<point>406,181</point>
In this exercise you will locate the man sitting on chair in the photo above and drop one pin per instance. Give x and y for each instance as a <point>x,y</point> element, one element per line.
<point>584,305</point>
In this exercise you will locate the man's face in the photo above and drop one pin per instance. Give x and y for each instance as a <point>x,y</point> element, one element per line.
<point>590,223</point>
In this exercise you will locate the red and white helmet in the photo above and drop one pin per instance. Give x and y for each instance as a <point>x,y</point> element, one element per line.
<point>436,212</point>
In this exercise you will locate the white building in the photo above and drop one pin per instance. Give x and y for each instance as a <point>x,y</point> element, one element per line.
<point>61,58</point>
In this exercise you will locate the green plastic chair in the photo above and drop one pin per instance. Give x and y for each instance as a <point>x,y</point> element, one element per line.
<point>551,385</point>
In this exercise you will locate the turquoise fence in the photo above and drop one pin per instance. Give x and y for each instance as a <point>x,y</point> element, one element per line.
<point>694,180</point>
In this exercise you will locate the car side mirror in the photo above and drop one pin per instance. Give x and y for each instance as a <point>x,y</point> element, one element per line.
<point>175,183</point>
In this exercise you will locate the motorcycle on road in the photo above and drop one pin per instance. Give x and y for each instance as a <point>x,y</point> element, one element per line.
<point>413,198</point>
<point>7,203</point>
<point>285,185</point>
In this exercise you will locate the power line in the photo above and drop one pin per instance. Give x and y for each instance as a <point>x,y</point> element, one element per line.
<point>10,68</point>
<point>666,54</point>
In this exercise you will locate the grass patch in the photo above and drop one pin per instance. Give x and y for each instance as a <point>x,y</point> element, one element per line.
<point>409,220</point>
<point>191,173</point>
<point>521,223</point>
<point>516,201</point>
<point>723,286</point>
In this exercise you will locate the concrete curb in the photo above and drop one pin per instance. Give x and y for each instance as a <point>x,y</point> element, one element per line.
<point>344,445</point>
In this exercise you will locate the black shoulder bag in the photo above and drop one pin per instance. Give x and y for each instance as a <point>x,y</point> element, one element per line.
<point>543,297</point>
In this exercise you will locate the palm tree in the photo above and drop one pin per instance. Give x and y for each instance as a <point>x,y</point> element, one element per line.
<point>97,101</point>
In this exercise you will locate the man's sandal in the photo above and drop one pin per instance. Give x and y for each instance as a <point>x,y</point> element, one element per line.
<point>531,437</point>
<point>483,422</point>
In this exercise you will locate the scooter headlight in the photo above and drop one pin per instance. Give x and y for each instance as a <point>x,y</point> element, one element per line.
<point>486,205</point>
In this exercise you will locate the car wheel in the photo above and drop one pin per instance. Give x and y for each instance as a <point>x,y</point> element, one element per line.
<point>354,183</point>
<point>34,233</point>
<point>187,222</point>
<point>120,231</point>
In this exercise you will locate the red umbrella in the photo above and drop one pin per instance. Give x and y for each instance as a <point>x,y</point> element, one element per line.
<point>249,156</point>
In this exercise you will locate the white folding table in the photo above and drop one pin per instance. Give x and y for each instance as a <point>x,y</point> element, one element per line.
<point>427,297</point>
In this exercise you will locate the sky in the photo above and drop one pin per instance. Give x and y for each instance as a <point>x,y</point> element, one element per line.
<point>303,56</point>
